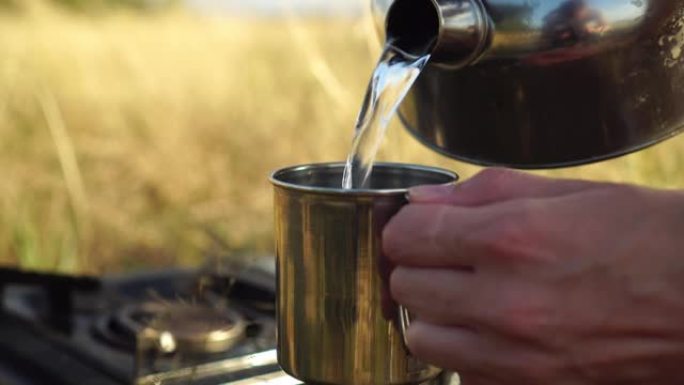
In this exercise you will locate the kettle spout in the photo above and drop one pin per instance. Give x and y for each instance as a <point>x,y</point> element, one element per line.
<point>455,32</point>
<point>463,32</point>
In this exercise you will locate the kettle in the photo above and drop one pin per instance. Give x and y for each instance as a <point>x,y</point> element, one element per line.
<point>540,83</point>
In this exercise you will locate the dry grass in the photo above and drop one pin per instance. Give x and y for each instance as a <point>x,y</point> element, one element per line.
<point>132,141</point>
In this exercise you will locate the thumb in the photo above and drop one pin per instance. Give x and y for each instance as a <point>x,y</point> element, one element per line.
<point>497,185</point>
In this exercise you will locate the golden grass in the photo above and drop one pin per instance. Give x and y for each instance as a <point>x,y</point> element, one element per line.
<point>131,141</point>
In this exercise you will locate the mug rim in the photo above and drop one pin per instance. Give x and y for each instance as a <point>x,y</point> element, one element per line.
<point>276,178</point>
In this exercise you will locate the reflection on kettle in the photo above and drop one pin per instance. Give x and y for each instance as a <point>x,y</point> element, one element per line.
<point>571,31</point>
<point>573,22</point>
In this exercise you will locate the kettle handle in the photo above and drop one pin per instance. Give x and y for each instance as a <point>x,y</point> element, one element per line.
<point>404,323</point>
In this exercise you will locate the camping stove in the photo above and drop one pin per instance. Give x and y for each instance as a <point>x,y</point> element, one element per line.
<point>210,326</point>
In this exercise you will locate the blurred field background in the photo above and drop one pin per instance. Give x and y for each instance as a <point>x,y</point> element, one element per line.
<point>142,138</point>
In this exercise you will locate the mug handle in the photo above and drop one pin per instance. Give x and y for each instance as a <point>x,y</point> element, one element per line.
<point>404,323</point>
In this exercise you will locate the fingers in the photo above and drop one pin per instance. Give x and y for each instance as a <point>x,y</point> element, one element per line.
<point>482,301</point>
<point>462,237</point>
<point>438,296</point>
<point>481,359</point>
<point>497,185</point>
<point>450,348</point>
<point>428,235</point>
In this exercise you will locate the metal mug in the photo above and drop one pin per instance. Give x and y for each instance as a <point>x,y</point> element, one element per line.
<point>331,325</point>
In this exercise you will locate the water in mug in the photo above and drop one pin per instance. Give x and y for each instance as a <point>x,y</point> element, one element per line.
<point>392,79</point>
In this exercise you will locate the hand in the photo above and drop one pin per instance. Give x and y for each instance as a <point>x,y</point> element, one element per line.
<point>520,280</point>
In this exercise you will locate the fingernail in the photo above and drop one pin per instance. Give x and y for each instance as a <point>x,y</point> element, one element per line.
<point>431,192</point>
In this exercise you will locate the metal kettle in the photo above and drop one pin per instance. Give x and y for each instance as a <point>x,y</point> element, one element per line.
<point>541,83</point>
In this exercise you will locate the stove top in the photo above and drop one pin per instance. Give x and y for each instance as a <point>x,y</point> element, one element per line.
<point>210,326</point>
<point>206,326</point>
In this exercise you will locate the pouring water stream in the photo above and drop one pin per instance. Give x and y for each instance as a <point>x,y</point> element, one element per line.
<point>391,81</point>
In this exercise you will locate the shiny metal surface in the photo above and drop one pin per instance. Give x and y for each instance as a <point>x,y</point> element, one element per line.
<point>332,325</point>
<point>281,378</point>
<point>458,30</point>
<point>547,83</point>
<point>195,329</point>
<point>263,360</point>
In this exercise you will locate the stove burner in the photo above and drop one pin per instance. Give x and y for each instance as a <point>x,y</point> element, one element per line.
<point>178,327</point>
<point>199,329</point>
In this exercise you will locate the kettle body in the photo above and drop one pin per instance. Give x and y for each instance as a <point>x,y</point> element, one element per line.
<point>542,83</point>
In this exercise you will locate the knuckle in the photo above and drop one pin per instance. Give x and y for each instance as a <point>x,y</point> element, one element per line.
<point>515,237</point>
<point>525,318</point>
<point>494,179</point>
<point>507,240</point>
<point>440,235</point>
<point>496,174</point>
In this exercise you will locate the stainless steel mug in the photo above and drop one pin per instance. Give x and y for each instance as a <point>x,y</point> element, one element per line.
<point>331,325</point>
